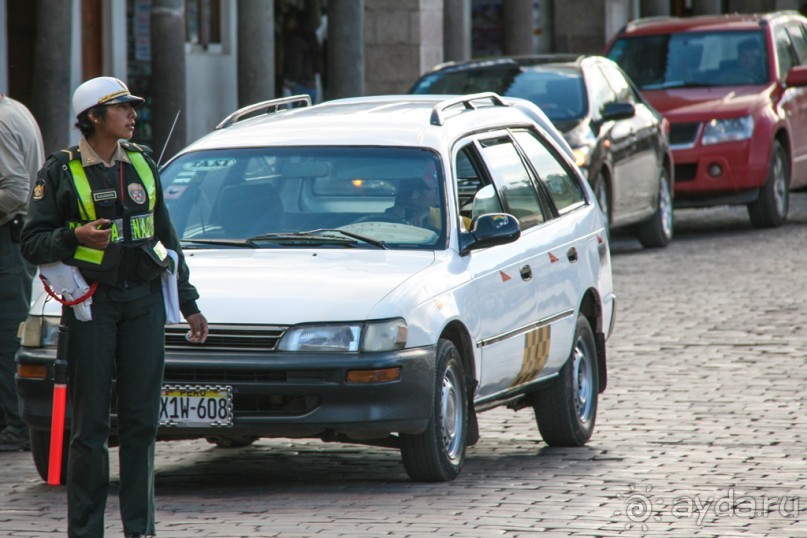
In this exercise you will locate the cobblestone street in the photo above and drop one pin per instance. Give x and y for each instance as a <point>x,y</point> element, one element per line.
<point>701,432</point>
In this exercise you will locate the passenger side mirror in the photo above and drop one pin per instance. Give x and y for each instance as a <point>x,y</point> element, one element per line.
<point>618,111</point>
<point>797,76</point>
<point>490,230</point>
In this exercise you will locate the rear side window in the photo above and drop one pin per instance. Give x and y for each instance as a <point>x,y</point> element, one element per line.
<point>563,187</point>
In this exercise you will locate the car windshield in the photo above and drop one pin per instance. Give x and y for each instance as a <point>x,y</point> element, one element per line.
<point>334,197</point>
<point>693,59</point>
<point>558,90</point>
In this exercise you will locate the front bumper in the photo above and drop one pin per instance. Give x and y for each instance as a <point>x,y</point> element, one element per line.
<point>279,394</point>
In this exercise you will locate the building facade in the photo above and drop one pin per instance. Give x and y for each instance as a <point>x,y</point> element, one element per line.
<point>365,47</point>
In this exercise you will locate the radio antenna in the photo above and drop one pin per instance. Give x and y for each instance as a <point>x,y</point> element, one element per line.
<point>169,137</point>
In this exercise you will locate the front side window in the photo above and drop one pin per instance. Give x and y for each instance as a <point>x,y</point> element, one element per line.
<point>513,180</point>
<point>389,195</point>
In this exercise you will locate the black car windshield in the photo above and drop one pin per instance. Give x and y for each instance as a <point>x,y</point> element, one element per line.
<point>693,59</point>
<point>558,90</point>
<point>336,197</point>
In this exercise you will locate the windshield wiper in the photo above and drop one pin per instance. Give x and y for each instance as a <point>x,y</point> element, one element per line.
<point>321,236</point>
<point>222,242</point>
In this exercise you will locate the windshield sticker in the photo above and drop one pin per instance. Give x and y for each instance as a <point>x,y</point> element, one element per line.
<point>206,165</point>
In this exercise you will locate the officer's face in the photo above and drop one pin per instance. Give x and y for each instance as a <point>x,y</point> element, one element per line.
<point>119,121</point>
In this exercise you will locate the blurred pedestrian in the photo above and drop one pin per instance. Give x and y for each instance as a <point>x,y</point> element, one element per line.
<point>301,56</point>
<point>98,207</point>
<point>21,155</point>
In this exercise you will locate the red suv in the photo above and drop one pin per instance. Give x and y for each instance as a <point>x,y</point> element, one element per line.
<point>733,88</point>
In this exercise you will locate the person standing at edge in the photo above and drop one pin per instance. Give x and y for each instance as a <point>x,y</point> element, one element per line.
<point>98,206</point>
<point>21,155</point>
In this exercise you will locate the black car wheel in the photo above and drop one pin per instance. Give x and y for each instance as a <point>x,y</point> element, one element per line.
<point>436,455</point>
<point>770,209</point>
<point>40,450</point>
<point>566,410</point>
<point>658,230</point>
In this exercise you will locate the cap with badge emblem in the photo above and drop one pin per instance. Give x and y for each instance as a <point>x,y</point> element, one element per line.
<point>102,91</point>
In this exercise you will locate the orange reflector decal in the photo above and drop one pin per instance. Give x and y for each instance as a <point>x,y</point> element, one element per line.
<point>32,371</point>
<point>374,376</point>
<point>505,276</point>
<point>552,258</point>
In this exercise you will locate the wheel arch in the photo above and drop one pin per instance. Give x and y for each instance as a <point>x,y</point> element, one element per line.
<point>591,309</point>
<point>457,333</point>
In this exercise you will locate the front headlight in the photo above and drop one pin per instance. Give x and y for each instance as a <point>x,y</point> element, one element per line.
<point>730,130</point>
<point>40,331</point>
<point>581,155</point>
<point>386,335</point>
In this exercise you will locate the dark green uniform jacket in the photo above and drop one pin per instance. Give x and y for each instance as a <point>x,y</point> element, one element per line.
<point>48,235</point>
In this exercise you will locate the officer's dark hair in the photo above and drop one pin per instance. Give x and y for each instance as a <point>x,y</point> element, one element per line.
<point>85,124</point>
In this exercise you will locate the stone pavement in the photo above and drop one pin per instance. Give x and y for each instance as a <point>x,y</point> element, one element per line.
<point>702,431</point>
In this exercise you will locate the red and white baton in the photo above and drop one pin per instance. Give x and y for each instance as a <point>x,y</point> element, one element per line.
<point>59,403</point>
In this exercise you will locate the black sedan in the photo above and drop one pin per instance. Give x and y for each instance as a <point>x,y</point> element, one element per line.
<point>620,142</point>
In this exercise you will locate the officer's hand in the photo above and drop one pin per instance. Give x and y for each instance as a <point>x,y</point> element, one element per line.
<point>198,332</point>
<point>95,234</point>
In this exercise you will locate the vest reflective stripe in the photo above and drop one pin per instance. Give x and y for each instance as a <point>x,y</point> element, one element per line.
<point>89,255</point>
<point>86,207</point>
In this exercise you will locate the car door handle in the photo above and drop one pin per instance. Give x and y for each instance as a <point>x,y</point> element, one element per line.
<point>526,272</point>
<point>572,254</point>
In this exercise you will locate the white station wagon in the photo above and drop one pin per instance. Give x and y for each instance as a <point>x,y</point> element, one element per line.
<point>377,270</point>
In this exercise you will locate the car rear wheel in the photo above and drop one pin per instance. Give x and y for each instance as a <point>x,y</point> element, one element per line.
<point>770,209</point>
<point>40,450</point>
<point>566,410</point>
<point>437,454</point>
<point>658,230</point>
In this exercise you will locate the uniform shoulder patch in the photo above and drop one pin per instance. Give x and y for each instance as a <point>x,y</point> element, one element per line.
<point>131,146</point>
<point>39,189</point>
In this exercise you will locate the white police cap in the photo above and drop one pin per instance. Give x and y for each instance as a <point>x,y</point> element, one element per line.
<point>102,91</point>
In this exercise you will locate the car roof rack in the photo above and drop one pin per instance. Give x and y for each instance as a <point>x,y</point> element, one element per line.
<point>437,117</point>
<point>273,104</point>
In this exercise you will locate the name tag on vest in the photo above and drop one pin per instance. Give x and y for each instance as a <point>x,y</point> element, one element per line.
<point>100,196</point>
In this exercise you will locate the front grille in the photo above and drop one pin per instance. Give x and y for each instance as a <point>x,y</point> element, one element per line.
<point>684,134</point>
<point>226,337</point>
<point>246,405</point>
<point>221,376</point>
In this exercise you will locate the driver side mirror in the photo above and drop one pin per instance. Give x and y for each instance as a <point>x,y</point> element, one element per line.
<point>490,230</point>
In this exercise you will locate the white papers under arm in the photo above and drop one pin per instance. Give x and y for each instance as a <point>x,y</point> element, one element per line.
<point>170,286</point>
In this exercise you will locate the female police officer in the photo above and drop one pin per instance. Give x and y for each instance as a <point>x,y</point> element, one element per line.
<point>98,206</point>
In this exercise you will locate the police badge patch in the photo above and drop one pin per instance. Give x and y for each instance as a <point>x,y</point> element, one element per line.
<point>137,193</point>
<point>39,189</point>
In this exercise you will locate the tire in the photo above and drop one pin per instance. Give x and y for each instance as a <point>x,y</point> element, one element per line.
<point>437,454</point>
<point>232,442</point>
<point>658,230</point>
<point>600,188</point>
<point>40,450</point>
<point>770,209</point>
<point>566,410</point>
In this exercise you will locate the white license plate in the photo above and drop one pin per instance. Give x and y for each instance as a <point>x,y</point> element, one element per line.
<point>195,406</point>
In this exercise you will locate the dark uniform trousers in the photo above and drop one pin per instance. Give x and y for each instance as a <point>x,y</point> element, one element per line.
<point>15,296</point>
<point>125,340</point>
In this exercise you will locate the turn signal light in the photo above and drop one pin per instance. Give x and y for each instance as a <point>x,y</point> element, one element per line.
<point>374,376</point>
<point>32,371</point>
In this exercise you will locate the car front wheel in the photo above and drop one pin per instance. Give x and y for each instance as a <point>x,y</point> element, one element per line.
<point>40,450</point>
<point>770,209</point>
<point>566,410</point>
<point>436,455</point>
<point>658,230</point>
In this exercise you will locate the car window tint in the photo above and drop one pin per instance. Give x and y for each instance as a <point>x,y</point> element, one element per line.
<point>395,195</point>
<point>693,59</point>
<point>784,52</point>
<point>513,180</point>
<point>799,40</point>
<point>470,201</point>
<point>623,90</point>
<point>563,187</point>
<point>601,91</point>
